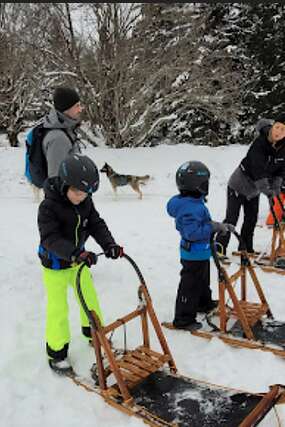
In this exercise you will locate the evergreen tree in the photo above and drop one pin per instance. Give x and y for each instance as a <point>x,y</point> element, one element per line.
<point>265,51</point>
<point>190,87</point>
<point>254,35</point>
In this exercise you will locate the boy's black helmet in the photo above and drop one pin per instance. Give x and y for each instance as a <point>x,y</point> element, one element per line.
<point>79,172</point>
<point>193,176</point>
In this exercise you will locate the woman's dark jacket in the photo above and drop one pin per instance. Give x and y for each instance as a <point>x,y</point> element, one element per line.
<point>262,164</point>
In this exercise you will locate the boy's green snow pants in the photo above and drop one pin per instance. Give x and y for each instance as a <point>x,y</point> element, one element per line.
<point>57,325</point>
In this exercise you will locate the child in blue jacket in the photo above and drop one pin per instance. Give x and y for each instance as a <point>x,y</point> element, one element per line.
<point>193,221</point>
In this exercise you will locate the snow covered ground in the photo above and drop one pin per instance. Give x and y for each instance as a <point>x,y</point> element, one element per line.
<point>30,394</point>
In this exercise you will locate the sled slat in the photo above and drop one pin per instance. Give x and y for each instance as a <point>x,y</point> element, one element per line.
<point>133,369</point>
<point>252,311</point>
<point>130,377</point>
<point>146,359</point>
<point>140,363</point>
<point>162,357</point>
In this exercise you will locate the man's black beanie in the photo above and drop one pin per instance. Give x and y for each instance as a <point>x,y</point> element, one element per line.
<point>280,118</point>
<point>64,98</point>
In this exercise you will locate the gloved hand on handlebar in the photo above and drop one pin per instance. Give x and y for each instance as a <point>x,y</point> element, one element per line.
<point>114,251</point>
<point>222,227</point>
<point>89,258</point>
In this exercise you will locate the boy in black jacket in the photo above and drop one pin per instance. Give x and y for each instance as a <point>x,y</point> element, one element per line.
<point>261,171</point>
<point>66,218</point>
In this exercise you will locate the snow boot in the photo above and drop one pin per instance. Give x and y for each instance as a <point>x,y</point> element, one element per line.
<point>61,366</point>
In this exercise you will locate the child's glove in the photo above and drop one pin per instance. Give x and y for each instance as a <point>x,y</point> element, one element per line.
<point>231,228</point>
<point>114,251</point>
<point>89,258</point>
<point>222,227</point>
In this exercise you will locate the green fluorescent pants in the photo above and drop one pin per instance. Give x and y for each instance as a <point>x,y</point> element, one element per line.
<point>56,283</point>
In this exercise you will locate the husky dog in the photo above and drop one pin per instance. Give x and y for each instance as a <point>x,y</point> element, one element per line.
<point>118,180</point>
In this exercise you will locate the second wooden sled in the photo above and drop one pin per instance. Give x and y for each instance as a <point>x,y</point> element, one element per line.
<point>144,382</point>
<point>238,321</point>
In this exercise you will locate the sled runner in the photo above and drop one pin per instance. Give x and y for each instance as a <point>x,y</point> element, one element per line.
<point>238,321</point>
<point>144,382</point>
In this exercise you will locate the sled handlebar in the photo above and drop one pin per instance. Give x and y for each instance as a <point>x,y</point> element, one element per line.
<point>215,253</point>
<point>79,290</point>
<point>280,203</point>
<point>271,205</point>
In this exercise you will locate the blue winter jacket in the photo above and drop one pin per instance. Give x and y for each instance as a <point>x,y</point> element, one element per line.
<point>193,221</point>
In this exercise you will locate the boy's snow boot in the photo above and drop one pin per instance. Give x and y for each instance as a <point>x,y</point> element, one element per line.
<point>61,366</point>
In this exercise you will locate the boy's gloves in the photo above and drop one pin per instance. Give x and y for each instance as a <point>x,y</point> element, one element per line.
<point>222,227</point>
<point>89,258</point>
<point>114,251</point>
<point>231,228</point>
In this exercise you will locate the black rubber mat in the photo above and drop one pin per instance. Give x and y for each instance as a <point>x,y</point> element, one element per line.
<point>268,332</point>
<point>186,403</point>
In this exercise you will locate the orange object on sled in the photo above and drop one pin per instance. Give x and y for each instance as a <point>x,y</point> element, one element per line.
<point>277,209</point>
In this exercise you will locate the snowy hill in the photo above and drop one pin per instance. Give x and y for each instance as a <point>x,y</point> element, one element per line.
<point>31,395</point>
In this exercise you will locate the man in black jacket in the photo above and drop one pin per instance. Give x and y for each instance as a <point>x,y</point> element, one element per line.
<point>66,218</point>
<point>261,171</point>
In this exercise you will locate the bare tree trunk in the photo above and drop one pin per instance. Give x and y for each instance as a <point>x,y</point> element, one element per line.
<point>13,137</point>
<point>113,66</point>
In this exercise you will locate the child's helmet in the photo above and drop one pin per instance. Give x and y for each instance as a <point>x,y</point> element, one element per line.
<point>193,176</point>
<point>79,172</point>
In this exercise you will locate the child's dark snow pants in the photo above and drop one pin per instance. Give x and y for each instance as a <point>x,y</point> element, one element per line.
<point>193,292</point>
